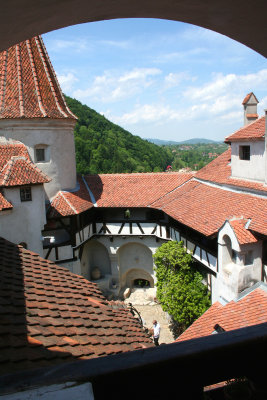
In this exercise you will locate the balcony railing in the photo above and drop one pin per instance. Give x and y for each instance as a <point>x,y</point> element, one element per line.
<point>174,371</point>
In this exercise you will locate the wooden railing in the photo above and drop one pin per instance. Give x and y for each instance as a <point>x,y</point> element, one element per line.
<point>173,371</point>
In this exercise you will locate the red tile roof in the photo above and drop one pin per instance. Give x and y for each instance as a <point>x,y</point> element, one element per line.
<point>253,131</point>
<point>49,315</point>
<point>243,235</point>
<point>19,171</point>
<point>133,190</point>
<point>4,204</point>
<point>16,168</point>
<point>70,203</point>
<point>205,208</point>
<point>246,99</point>
<point>116,190</point>
<point>249,309</point>
<point>28,84</point>
<point>10,149</point>
<point>219,171</point>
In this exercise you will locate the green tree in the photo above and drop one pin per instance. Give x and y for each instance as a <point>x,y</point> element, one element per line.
<point>179,285</point>
<point>104,147</point>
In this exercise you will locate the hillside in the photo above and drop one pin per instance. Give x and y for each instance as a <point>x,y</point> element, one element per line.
<point>103,147</point>
<point>189,141</point>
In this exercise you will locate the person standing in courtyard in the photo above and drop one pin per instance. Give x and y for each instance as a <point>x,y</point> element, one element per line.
<point>156,332</point>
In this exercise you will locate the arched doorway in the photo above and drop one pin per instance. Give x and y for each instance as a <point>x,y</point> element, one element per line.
<point>135,262</point>
<point>226,251</point>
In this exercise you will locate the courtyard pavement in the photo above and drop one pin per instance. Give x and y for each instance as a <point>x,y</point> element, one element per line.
<point>149,310</point>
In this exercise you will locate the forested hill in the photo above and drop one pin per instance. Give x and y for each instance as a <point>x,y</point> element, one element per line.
<point>103,147</point>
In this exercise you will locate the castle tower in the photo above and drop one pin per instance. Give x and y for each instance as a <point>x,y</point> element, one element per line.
<point>33,110</point>
<point>250,108</point>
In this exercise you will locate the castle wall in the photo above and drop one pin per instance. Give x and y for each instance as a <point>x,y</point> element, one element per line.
<point>254,168</point>
<point>26,220</point>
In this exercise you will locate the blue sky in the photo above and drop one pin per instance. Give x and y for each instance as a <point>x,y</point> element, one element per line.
<point>157,78</point>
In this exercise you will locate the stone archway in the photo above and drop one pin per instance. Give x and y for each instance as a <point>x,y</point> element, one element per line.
<point>95,255</point>
<point>226,251</point>
<point>23,19</point>
<point>135,262</point>
<point>132,275</point>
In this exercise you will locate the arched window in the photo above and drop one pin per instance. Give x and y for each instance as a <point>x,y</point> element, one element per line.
<point>227,250</point>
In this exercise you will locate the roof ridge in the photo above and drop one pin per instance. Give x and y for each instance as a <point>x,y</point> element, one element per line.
<point>171,191</point>
<point>68,202</point>
<point>20,86</point>
<point>3,79</point>
<point>55,77</point>
<point>40,47</point>
<point>245,127</point>
<point>36,83</point>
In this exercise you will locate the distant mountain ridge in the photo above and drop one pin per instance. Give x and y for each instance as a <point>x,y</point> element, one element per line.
<point>189,141</point>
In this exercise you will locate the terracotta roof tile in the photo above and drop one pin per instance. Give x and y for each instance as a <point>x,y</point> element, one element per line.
<point>243,235</point>
<point>21,171</point>
<point>253,131</point>
<point>50,315</point>
<point>4,204</point>
<point>116,190</point>
<point>246,99</point>
<point>205,208</point>
<point>16,168</point>
<point>249,309</point>
<point>28,84</point>
<point>133,190</point>
<point>219,171</point>
<point>10,149</point>
<point>70,203</point>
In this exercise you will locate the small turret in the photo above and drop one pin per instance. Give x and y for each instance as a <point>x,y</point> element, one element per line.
<point>250,103</point>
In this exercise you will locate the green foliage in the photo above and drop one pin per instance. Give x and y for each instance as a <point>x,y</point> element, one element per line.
<point>195,156</point>
<point>179,285</point>
<point>103,147</point>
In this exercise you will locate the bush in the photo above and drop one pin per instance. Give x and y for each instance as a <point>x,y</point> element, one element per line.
<point>179,285</point>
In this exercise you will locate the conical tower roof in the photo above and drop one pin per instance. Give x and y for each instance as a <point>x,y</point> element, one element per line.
<point>28,83</point>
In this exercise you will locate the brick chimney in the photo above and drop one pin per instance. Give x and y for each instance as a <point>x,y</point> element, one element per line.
<point>250,108</point>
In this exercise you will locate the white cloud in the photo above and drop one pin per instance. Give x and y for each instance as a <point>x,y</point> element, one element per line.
<point>67,81</point>
<point>112,87</point>
<point>76,46</point>
<point>175,79</point>
<point>149,113</point>
<point>230,85</point>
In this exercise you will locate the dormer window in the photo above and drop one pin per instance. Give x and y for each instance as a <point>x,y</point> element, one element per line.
<point>244,152</point>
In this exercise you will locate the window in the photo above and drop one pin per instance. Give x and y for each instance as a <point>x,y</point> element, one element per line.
<point>244,152</point>
<point>40,155</point>
<point>249,257</point>
<point>234,256</point>
<point>25,194</point>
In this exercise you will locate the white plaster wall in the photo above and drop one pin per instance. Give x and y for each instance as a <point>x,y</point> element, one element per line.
<point>253,169</point>
<point>233,277</point>
<point>112,247</point>
<point>26,220</point>
<point>95,254</point>
<point>58,136</point>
